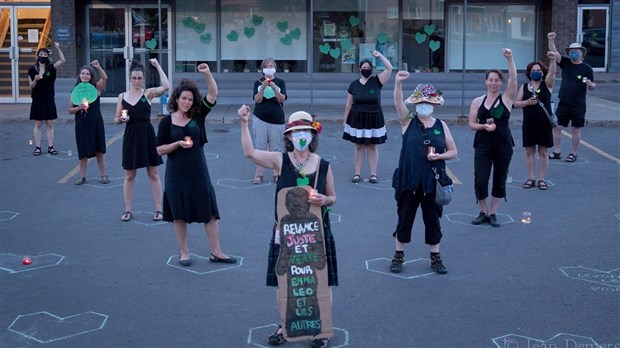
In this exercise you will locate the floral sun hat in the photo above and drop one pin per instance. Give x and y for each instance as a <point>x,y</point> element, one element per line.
<point>425,93</point>
<point>302,120</point>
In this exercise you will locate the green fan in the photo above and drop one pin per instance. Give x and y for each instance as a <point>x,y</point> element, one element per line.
<point>82,91</point>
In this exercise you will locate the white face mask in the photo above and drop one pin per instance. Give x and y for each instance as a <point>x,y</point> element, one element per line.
<point>424,110</point>
<point>301,140</point>
<point>269,71</point>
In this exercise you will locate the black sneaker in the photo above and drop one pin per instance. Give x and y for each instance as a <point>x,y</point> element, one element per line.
<point>277,338</point>
<point>493,221</point>
<point>482,218</point>
<point>396,266</point>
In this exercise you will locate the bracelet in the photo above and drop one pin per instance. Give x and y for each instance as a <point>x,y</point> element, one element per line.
<point>178,145</point>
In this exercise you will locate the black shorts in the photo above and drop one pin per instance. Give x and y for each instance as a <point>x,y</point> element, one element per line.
<point>575,114</point>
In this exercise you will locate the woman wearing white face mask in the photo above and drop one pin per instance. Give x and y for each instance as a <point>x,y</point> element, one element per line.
<point>268,120</point>
<point>299,166</point>
<point>414,181</point>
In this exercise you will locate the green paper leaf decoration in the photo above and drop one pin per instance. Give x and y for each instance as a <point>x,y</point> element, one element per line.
<point>206,38</point>
<point>188,22</point>
<point>296,34</point>
<point>257,20</point>
<point>324,48</point>
<point>345,44</point>
<point>382,38</point>
<point>303,181</point>
<point>199,27</point>
<point>429,29</point>
<point>419,37</point>
<point>434,45</point>
<point>151,44</point>
<point>282,26</point>
<point>355,21</point>
<point>249,32</point>
<point>84,90</point>
<point>436,132</point>
<point>286,40</point>
<point>335,52</point>
<point>232,36</point>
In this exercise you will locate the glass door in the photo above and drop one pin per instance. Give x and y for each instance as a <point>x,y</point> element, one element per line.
<point>593,22</point>
<point>118,34</point>
<point>23,30</point>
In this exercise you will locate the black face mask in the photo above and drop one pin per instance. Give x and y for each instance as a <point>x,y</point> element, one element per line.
<point>366,72</point>
<point>43,60</point>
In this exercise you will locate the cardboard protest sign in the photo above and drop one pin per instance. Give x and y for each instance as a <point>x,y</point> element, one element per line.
<point>303,291</point>
<point>84,91</point>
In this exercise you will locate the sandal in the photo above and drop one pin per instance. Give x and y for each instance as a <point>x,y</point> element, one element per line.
<point>542,185</point>
<point>277,338</point>
<point>80,181</point>
<point>275,178</point>
<point>258,180</point>
<point>158,216</point>
<point>356,178</point>
<point>373,179</point>
<point>571,158</point>
<point>126,216</point>
<point>37,151</point>
<point>529,184</point>
<point>555,155</point>
<point>52,151</point>
<point>105,180</point>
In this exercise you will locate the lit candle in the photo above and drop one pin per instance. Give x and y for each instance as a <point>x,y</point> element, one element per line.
<point>30,142</point>
<point>188,140</point>
<point>313,193</point>
<point>85,103</point>
<point>526,218</point>
<point>26,260</point>
<point>490,121</point>
<point>431,150</point>
<point>124,116</point>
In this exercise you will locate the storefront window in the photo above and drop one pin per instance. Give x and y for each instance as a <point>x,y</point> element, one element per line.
<point>257,29</point>
<point>196,35</point>
<point>423,36</point>
<point>347,31</point>
<point>489,29</point>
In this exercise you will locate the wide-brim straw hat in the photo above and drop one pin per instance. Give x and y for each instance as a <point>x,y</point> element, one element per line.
<point>425,93</point>
<point>576,45</point>
<point>299,120</point>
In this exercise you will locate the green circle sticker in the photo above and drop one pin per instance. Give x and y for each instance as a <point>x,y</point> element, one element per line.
<point>82,91</point>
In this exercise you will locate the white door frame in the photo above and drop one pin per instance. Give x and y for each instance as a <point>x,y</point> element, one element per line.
<point>579,36</point>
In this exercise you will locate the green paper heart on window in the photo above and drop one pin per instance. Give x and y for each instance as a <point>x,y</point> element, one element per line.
<point>188,22</point>
<point>354,20</point>
<point>151,44</point>
<point>419,37</point>
<point>345,44</point>
<point>286,40</point>
<point>257,20</point>
<point>232,36</point>
<point>199,27</point>
<point>206,38</point>
<point>282,26</point>
<point>296,34</point>
<point>335,52</point>
<point>434,45</point>
<point>382,38</point>
<point>324,48</point>
<point>249,32</point>
<point>429,28</point>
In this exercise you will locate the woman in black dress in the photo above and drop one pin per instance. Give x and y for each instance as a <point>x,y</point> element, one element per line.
<point>89,128</point>
<point>139,142</point>
<point>43,108</point>
<point>363,123</point>
<point>299,166</point>
<point>536,128</point>
<point>189,195</point>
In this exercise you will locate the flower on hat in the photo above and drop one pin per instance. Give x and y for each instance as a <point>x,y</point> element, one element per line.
<point>425,93</point>
<point>317,126</point>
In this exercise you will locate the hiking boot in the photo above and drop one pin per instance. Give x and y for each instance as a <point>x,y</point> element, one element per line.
<point>397,262</point>
<point>482,218</point>
<point>437,264</point>
<point>493,221</point>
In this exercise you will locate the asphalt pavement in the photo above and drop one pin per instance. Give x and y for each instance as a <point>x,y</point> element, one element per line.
<point>95,281</point>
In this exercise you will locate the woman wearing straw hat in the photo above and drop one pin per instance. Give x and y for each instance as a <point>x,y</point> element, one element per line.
<point>415,177</point>
<point>577,78</point>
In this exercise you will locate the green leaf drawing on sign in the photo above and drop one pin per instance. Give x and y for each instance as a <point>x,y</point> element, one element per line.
<point>206,38</point>
<point>429,28</point>
<point>324,48</point>
<point>334,52</point>
<point>151,44</point>
<point>84,90</point>
<point>419,37</point>
<point>232,36</point>
<point>257,20</point>
<point>249,32</point>
<point>434,45</point>
<point>282,26</point>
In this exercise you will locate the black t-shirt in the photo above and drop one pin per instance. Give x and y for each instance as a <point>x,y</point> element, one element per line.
<point>43,91</point>
<point>366,98</point>
<point>572,89</point>
<point>270,110</point>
